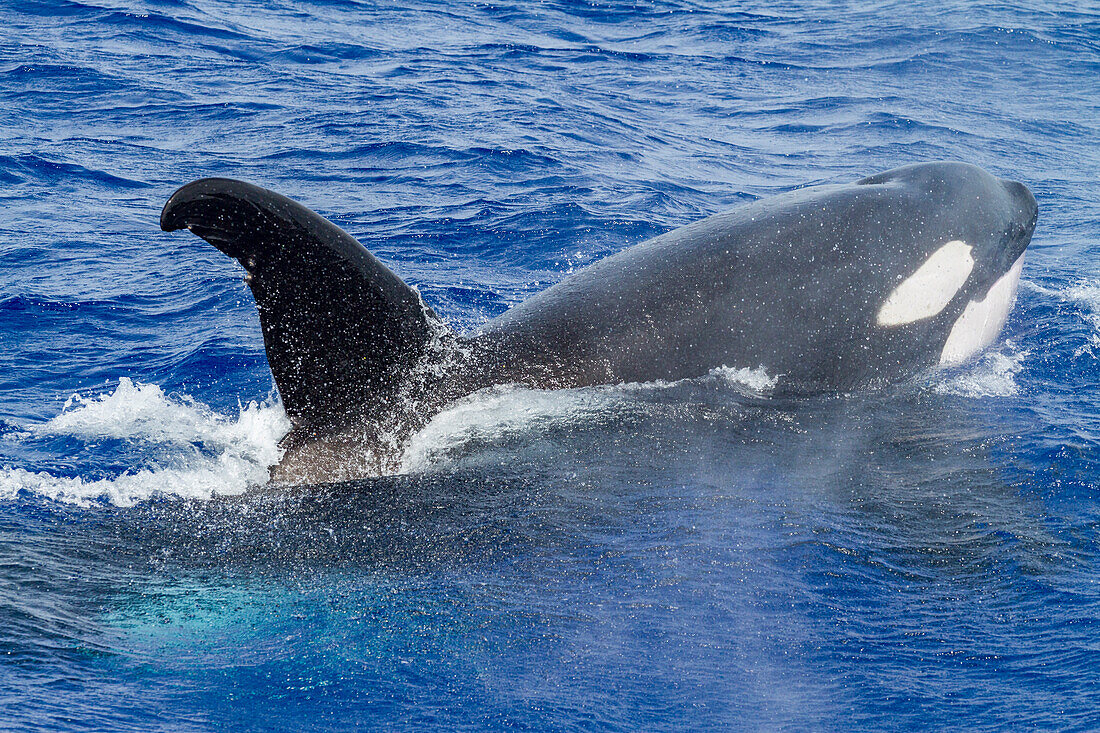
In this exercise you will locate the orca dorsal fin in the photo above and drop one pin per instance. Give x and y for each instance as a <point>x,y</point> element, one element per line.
<point>342,331</point>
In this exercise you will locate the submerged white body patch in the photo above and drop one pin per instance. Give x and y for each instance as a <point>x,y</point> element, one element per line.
<point>928,290</point>
<point>983,319</point>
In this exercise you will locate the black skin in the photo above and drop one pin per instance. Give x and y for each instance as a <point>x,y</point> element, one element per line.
<point>340,329</point>
<point>791,283</point>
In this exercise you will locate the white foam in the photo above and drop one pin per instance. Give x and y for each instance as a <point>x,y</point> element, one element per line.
<point>993,375</point>
<point>184,449</point>
<point>754,382</point>
<point>198,453</point>
<point>1086,295</point>
<point>496,413</point>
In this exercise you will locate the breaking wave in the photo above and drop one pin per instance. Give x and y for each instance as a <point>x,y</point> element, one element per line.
<point>180,448</point>
<point>177,447</point>
<point>183,448</point>
<point>500,412</point>
<point>991,375</point>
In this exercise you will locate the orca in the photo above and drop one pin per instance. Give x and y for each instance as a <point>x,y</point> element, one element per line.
<point>827,287</point>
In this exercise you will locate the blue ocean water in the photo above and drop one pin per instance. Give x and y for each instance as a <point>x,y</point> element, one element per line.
<point>687,556</point>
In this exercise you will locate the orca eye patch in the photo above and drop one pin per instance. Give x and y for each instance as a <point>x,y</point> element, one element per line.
<point>928,290</point>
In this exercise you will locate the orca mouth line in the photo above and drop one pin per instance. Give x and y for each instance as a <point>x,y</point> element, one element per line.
<point>1017,240</point>
<point>1021,230</point>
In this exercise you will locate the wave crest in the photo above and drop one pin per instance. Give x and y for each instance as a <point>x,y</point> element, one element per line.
<point>185,449</point>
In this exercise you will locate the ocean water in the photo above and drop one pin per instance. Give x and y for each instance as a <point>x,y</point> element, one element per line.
<point>686,556</point>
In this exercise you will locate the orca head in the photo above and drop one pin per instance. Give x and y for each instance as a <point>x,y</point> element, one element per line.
<point>964,278</point>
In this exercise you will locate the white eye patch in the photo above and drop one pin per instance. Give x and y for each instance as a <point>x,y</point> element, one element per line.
<point>928,290</point>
